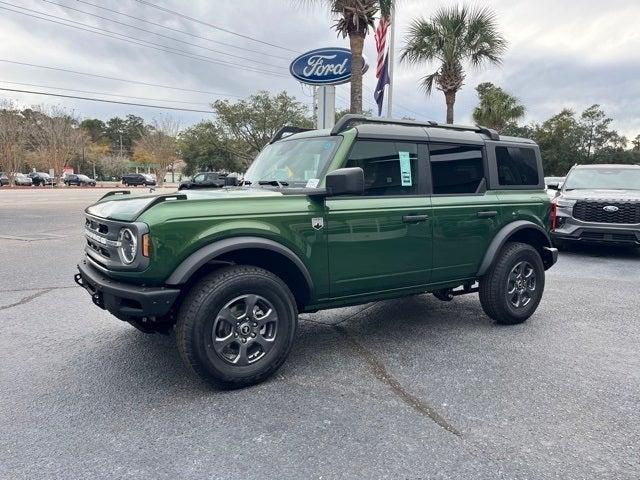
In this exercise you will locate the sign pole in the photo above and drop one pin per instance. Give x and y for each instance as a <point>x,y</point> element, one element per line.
<point>390,67</point>
<point>326,106</point>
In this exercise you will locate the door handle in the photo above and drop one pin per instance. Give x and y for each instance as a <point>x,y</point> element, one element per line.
<point>415,218</point>
<point>487,214</point>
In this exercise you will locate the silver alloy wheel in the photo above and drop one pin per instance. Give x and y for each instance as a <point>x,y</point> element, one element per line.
<point>245,330</point>
<point>521,284</point>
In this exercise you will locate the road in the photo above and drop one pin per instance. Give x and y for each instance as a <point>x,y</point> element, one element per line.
<point>410,388</point>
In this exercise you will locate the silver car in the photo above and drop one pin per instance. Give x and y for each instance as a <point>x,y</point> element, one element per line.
<point>598,204</point>
<point>22,180</point>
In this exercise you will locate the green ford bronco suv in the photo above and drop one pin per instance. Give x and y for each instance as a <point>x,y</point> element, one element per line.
<point>372,209</point>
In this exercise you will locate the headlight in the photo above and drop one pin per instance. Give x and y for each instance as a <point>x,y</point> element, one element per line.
<point>562,202</point>
<point>128,247</point>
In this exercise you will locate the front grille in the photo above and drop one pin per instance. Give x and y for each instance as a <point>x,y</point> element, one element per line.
<point>594,211</point>
<point>606,236</point>
<point>96,226</point>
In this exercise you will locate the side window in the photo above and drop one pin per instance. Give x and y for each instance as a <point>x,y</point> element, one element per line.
<point>199,177</point>
<point>517,166</point>
<point>390,168</point>
<point>455,168</point>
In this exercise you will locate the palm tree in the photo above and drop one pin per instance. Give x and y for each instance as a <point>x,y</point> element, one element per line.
<point>354,18</point>
<point>453,36</point>
<point>497,109</point>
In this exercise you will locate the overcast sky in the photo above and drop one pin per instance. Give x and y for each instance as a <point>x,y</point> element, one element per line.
<point>569,53</point>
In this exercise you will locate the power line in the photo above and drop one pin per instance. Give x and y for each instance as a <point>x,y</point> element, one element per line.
<point>136,41</point>
<point>100,93</point>
<point>187,17</point>
<point>184,32</point>
<point>138,82</point>
<point>158,34</point>
<point>105,101</point>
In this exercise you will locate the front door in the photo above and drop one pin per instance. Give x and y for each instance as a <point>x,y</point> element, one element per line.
<point>465,214</point>
<point>381,241</point>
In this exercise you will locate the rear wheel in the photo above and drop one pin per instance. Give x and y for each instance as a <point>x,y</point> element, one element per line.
<point>236,326</point>
<point>512,289</point>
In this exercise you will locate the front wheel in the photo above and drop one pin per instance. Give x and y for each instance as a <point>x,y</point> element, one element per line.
<point>512,289</point>
<point>236,326</point>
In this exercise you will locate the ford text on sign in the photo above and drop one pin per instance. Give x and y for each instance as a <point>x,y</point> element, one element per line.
<point>324,66</point>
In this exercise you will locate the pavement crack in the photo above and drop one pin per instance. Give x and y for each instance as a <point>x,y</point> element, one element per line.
<point>381,373</point>
<point>26,299</point>
<point>38,288</point>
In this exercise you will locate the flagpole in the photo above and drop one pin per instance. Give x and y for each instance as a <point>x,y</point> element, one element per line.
<point>390,63</point>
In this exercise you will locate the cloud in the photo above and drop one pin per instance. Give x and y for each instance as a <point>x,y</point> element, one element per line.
<point>561,54</point>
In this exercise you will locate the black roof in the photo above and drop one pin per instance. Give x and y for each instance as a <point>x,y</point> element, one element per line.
<point>410,130</point>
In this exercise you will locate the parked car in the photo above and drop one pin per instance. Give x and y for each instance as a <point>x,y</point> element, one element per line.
<point>598,204</point>
<point>4,180</point>
<point>405,208</point>
<point>41,178</point>
<point>80,180</point>
<point>205,180</point>
<point>135,179</point>
<point>22,180</point>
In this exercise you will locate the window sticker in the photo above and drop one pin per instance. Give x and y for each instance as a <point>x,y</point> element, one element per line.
<point>405,169</point>
<point>313,183</point>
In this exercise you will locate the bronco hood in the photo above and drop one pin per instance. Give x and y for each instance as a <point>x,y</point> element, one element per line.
<point>127,208</point>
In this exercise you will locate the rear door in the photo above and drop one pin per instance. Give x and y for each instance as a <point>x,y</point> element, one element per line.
<point>381,241</point>
<point>465,215</point>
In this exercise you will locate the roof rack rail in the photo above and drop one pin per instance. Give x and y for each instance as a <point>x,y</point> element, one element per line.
<point>287,129</point>
<point>349,119</point>
<point>115,192</point>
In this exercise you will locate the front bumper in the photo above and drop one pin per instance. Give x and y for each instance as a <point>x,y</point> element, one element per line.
<point>599,234</point>
<point>124,300</point>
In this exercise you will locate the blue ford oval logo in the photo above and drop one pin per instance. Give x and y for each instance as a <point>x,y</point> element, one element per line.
<point>324,66</point>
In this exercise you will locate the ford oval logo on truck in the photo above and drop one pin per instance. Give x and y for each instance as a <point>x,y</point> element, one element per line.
<point>324,66</point>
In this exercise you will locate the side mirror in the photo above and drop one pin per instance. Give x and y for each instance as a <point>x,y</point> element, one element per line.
<point>345,181</point>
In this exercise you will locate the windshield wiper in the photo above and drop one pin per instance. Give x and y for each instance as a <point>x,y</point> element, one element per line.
<point>275,183</point>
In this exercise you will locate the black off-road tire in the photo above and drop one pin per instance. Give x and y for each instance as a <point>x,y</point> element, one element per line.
<point>494,285</point>
<point>202,306</point>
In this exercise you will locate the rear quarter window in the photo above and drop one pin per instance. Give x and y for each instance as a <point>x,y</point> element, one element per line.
<point>517,166</point>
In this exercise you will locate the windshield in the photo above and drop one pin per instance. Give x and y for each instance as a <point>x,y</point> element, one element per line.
<point>83,177</point>
<point>604,179</point>
<point>293,163</point>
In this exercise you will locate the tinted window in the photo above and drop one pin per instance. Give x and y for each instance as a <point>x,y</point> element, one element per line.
<point>517,166</point>
<point>455,168</point>
<point>390,168</point>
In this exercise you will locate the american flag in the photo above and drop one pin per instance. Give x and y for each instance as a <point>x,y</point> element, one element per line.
<point>381,43</point>
<point>382,67</point>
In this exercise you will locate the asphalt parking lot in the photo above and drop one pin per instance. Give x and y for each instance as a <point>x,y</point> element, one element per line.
<point>410,388</point>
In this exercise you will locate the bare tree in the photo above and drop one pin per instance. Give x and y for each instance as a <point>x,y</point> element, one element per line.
<point>157,147</point>
<point>114,165</point>
<point>12,139</point>
<point>55,137</point>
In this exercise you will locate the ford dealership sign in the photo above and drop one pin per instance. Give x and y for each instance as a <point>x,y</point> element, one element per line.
<point>324,66</point>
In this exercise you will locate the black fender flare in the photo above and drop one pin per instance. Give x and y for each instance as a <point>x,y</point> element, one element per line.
<point>193,262</point>
<point>503,235</point>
